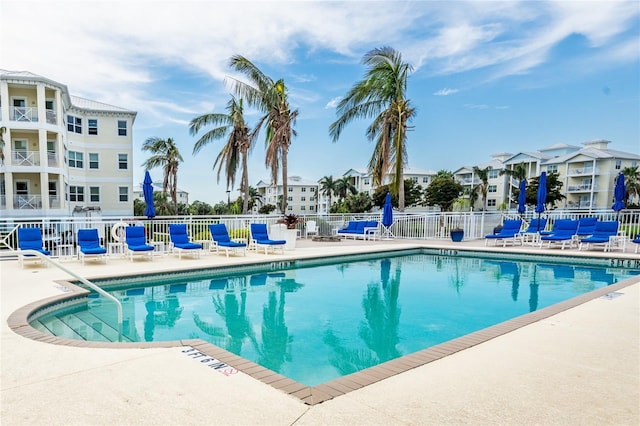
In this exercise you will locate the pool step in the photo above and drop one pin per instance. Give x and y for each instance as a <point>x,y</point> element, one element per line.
<point>81,325</point>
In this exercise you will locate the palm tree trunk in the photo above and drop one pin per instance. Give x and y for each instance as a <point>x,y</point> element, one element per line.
<point>401,193</point>
<point>284,179</point>
<point>245,183</point>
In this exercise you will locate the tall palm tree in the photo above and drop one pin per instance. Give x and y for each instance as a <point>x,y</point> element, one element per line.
<point>328,188</point>
<point>483,187</point>
<point>344,187</point>
<point>632,182</point>
<point>239,143</point>
<point>270,98</point>
<point>381,95</point>
<point>2,130</point>
<point>165,154</point>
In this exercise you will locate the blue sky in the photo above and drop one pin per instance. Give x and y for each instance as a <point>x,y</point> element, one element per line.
<point>488,77</point>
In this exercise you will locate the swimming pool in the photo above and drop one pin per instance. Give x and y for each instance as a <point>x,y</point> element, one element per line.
<point>314,321</point>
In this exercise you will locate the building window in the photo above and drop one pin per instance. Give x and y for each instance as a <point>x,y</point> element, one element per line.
<point>425,179</point>
<point>289,198</point>
<point>76,193</point>
<point>312,208</point>
<point>94,194</point>
<point>289,208</point>
<point>302,208</point>
<point>493,174</point>
<point>94,160</point>
<point>290,189</point>
<point>303,198</point>
<point>123,194</point>
<point>92,126</point>
<point>312,198</point>
<point>618,164</point>
<point>553,168</point>
<point>122,128</point>
<point>75,160</point>
<point>491,203</point>
<point>74,124</point>
<point>492,188</point>
<point>366,181</point>
<point>414,178</point>
<point>123,163</point>
<point>303,189</point>
<point>312,189</point>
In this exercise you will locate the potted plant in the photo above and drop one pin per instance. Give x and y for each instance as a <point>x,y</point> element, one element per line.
<point>291,220</point>
<point>457,234</point>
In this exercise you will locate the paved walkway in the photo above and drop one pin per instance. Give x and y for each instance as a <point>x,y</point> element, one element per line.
<point>577,367</point>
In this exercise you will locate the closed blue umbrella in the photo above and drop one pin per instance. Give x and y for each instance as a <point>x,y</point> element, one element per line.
<point>522,197</point>
<point>619,192</point>
<point>387,216</point>
<point>542,194</point>
<point>147,191</point>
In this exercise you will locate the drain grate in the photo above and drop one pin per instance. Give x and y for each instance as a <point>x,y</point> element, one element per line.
<point>610,296</point>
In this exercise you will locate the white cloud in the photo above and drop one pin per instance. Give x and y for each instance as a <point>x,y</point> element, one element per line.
<point>445,92</point>
<point>333,103</point>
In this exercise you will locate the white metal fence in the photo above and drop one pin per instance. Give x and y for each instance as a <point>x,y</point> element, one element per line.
<point>63,231</point>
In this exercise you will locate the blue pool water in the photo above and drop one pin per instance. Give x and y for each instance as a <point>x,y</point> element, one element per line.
<point>317,323</point>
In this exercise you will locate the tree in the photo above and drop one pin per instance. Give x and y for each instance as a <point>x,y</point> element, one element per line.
<point>328,188</point>
<point>165,154</point>
<point>519,172</point>
<point>344,187</point>
<point>381,95</point>
<point>255,198</point>
<point>483,187</point>
<point>200,208</point>
<point>358,203</point>
<point>234,153</point>
<point>554,188</point>
<point>443,191</point>
<point>270,98</point>
<point>413,195</point>
<point>632,182</point>
<point>267,209</point>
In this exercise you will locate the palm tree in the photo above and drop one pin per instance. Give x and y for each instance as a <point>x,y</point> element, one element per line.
<point>239,142</point>
<point>255,198</point>
<point>519,173</point>
<point>381,95</point>
<point>270,98</point>
<point>2,130</point>
<point>165,154</point>
<point>632,182</point>
<point>483,187</point>
<point>328,188</point>
<point>344,187</point>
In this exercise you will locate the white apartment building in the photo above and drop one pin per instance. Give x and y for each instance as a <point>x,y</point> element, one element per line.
<point>62,153</point>
<point>301,195</point>
<point>588,174</point>
<point>182,196</point>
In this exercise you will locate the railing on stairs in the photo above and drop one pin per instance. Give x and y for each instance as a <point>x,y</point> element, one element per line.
<point>85,281</point>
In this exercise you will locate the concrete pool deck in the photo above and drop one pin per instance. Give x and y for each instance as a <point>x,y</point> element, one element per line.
<point>580,366</point>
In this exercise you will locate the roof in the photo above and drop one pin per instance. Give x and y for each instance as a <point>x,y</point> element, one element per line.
<point>88,104</point>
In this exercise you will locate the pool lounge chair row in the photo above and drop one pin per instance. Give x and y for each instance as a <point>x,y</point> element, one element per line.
<point>585,232</point>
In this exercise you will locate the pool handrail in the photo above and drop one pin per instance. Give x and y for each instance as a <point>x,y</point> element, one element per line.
<point>85,281</point>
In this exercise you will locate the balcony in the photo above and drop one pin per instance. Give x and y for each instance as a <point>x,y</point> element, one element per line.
<point>25,158</point>
<point>578,204</point>
<point>23,114</point>
<point>52,159</point>
<point>580,188</point>
<point>583,171</point>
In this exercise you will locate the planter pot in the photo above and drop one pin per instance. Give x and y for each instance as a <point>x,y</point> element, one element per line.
<point>290,236</point>
<point>457,236</point>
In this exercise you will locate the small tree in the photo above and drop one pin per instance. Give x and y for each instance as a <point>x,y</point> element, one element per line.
<point>358,203</point>
<point>554,188</point>
<point>443,191</point>
<point>266,209</point>
<point>413,195</point>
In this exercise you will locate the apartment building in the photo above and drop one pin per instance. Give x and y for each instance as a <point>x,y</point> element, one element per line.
<point>182,196</point>
<point>62,153</point>
<point>301,194</point>
<point>588,174</point>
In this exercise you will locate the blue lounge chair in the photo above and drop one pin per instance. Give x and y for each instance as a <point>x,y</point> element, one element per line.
<point>365,229</point>
<point>89,245</point>
<point>136,242</point>
<point>221,240</point>
<point>510,228</point>
<point>260,239</point>
<point>563,231</point>
<point>180,240</point>
<point>636,241</point>
<point>586,226</point>
<point>30,239</point>
<point>601,235</point>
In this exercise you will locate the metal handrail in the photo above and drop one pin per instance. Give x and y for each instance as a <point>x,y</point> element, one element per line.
<point>73,274</point>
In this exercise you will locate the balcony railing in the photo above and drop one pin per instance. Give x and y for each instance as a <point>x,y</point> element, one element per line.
<point>25,158</point>
<point>52,117</point>
<point>23,114</point>
<point>581,171</point>
<point>52,159</point>
<point>579,188</point>
<point>27,202</point>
